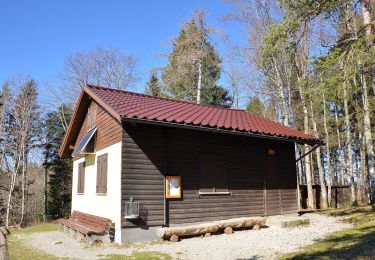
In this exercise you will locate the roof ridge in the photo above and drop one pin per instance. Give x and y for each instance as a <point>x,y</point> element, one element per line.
<point>164,98</point>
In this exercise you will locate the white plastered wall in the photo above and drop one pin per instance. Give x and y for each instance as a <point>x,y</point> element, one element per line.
<point>109,205</point>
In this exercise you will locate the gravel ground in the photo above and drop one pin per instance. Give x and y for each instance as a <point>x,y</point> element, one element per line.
<point>266,243</point>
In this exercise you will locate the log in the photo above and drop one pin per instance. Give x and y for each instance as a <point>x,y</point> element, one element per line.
<point>244,222</point>
<point>188,230</point>
<point>173,238</point>
<point>256,227</point>
<point>212,227</point>
<point>228,230</point>
<point>207,234</point>
<point>4,232</point>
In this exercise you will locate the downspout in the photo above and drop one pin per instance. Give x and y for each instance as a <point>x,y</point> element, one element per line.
<point>164,152</point>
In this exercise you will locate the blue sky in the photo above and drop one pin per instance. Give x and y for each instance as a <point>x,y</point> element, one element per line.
<point>36,36</point>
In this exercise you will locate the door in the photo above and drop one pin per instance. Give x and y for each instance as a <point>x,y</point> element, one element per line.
<point>272,184</point>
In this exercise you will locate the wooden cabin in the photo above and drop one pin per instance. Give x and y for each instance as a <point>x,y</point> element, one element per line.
<point>145,162</point>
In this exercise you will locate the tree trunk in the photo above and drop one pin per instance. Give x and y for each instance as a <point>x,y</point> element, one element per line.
<point>199,85</point>
<point>310,194</point>
<point>341,167</point>
<point>328,151</point>
<point>364,172</point>
<point>11,189</point>
<point>368,138</point>
<point>367,124</point>
<point>280,89</point>
<point>349,150</point>
<point>299,173</point>
<point>323,188</point>
<point>4,232</point>
<point>23,185</point>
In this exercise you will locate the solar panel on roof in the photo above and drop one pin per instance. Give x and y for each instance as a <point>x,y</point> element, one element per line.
<point>83,143</point>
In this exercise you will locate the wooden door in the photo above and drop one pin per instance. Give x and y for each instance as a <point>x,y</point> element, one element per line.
<point>272,187</point>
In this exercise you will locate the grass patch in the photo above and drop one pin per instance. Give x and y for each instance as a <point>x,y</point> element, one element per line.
<point>145,255</point>
<point>36,229</point>
<point>351,243</point>
<point>18,249</point>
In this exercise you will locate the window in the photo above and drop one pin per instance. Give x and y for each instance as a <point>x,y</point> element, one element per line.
<point>81,178</point>
<point>101,174</point>
<point>213,173</point>
<point>87,144</point>
<point>91,118</point>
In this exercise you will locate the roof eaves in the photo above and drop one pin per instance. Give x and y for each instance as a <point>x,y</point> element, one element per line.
<point>69,130</point>
<point>224,130</point>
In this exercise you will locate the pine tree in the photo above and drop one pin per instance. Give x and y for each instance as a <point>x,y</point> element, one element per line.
<point>195,66</point>
<point>153,86</point>
<point>256,106</point>
<point>60,170</point>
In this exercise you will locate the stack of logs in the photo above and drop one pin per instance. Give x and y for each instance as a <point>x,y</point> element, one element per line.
<point>4,232</point>
<point>206,229</point>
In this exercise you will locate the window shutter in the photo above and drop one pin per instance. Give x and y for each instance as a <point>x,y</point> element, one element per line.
<point>93,116</point>
<point>104,174</point>
<point>101,177</point>
<point>89,123</point>
<point>207,177</point>
<point>221,181</point>
<point>98,175</point>
<point>81,178</point>
<point>213,173</point>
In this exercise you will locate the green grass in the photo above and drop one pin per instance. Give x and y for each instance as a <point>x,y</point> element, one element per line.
<point>18,249</point>
<point>351,243</point>
<point>145,255</point>
<point>36,229</point>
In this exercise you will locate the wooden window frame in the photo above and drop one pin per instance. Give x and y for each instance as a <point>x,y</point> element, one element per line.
<point>81,179</point>
<point>215,189</point>
<point>100,191</point>
<point>167,190</point>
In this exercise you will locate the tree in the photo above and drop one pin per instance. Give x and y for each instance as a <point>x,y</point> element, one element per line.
<point>58,171</point>
<point>367,6</point>
<point>256,106</point>
<point>153,86</point>
<point>217,96</point>
<point>98,66</point>
<point>194,65</point>
<point>22,135</point>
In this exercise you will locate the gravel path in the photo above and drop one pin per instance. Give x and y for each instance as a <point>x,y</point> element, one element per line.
<point>266,243</point>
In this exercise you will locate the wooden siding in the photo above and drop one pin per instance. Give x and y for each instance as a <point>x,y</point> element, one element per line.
<point>149,151</point>
<point>109,130</point>
<point>142,168</point>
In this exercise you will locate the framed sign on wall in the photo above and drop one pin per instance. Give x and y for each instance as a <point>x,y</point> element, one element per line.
<point>173,187</point>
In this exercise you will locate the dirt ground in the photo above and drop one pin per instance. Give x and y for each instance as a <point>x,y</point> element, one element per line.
<point>266,243</point>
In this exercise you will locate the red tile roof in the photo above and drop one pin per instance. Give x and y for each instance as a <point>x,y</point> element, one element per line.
<point>144,107</point>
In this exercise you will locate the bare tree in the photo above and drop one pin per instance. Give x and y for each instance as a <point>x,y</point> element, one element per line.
<point>19,140</point>
<point>98,66</point>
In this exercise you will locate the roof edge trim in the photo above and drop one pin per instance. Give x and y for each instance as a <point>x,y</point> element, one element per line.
<point>220,130</point>
<point>104,104</point>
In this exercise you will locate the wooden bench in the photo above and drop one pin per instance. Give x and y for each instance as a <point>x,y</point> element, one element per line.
<point>87,226</point>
